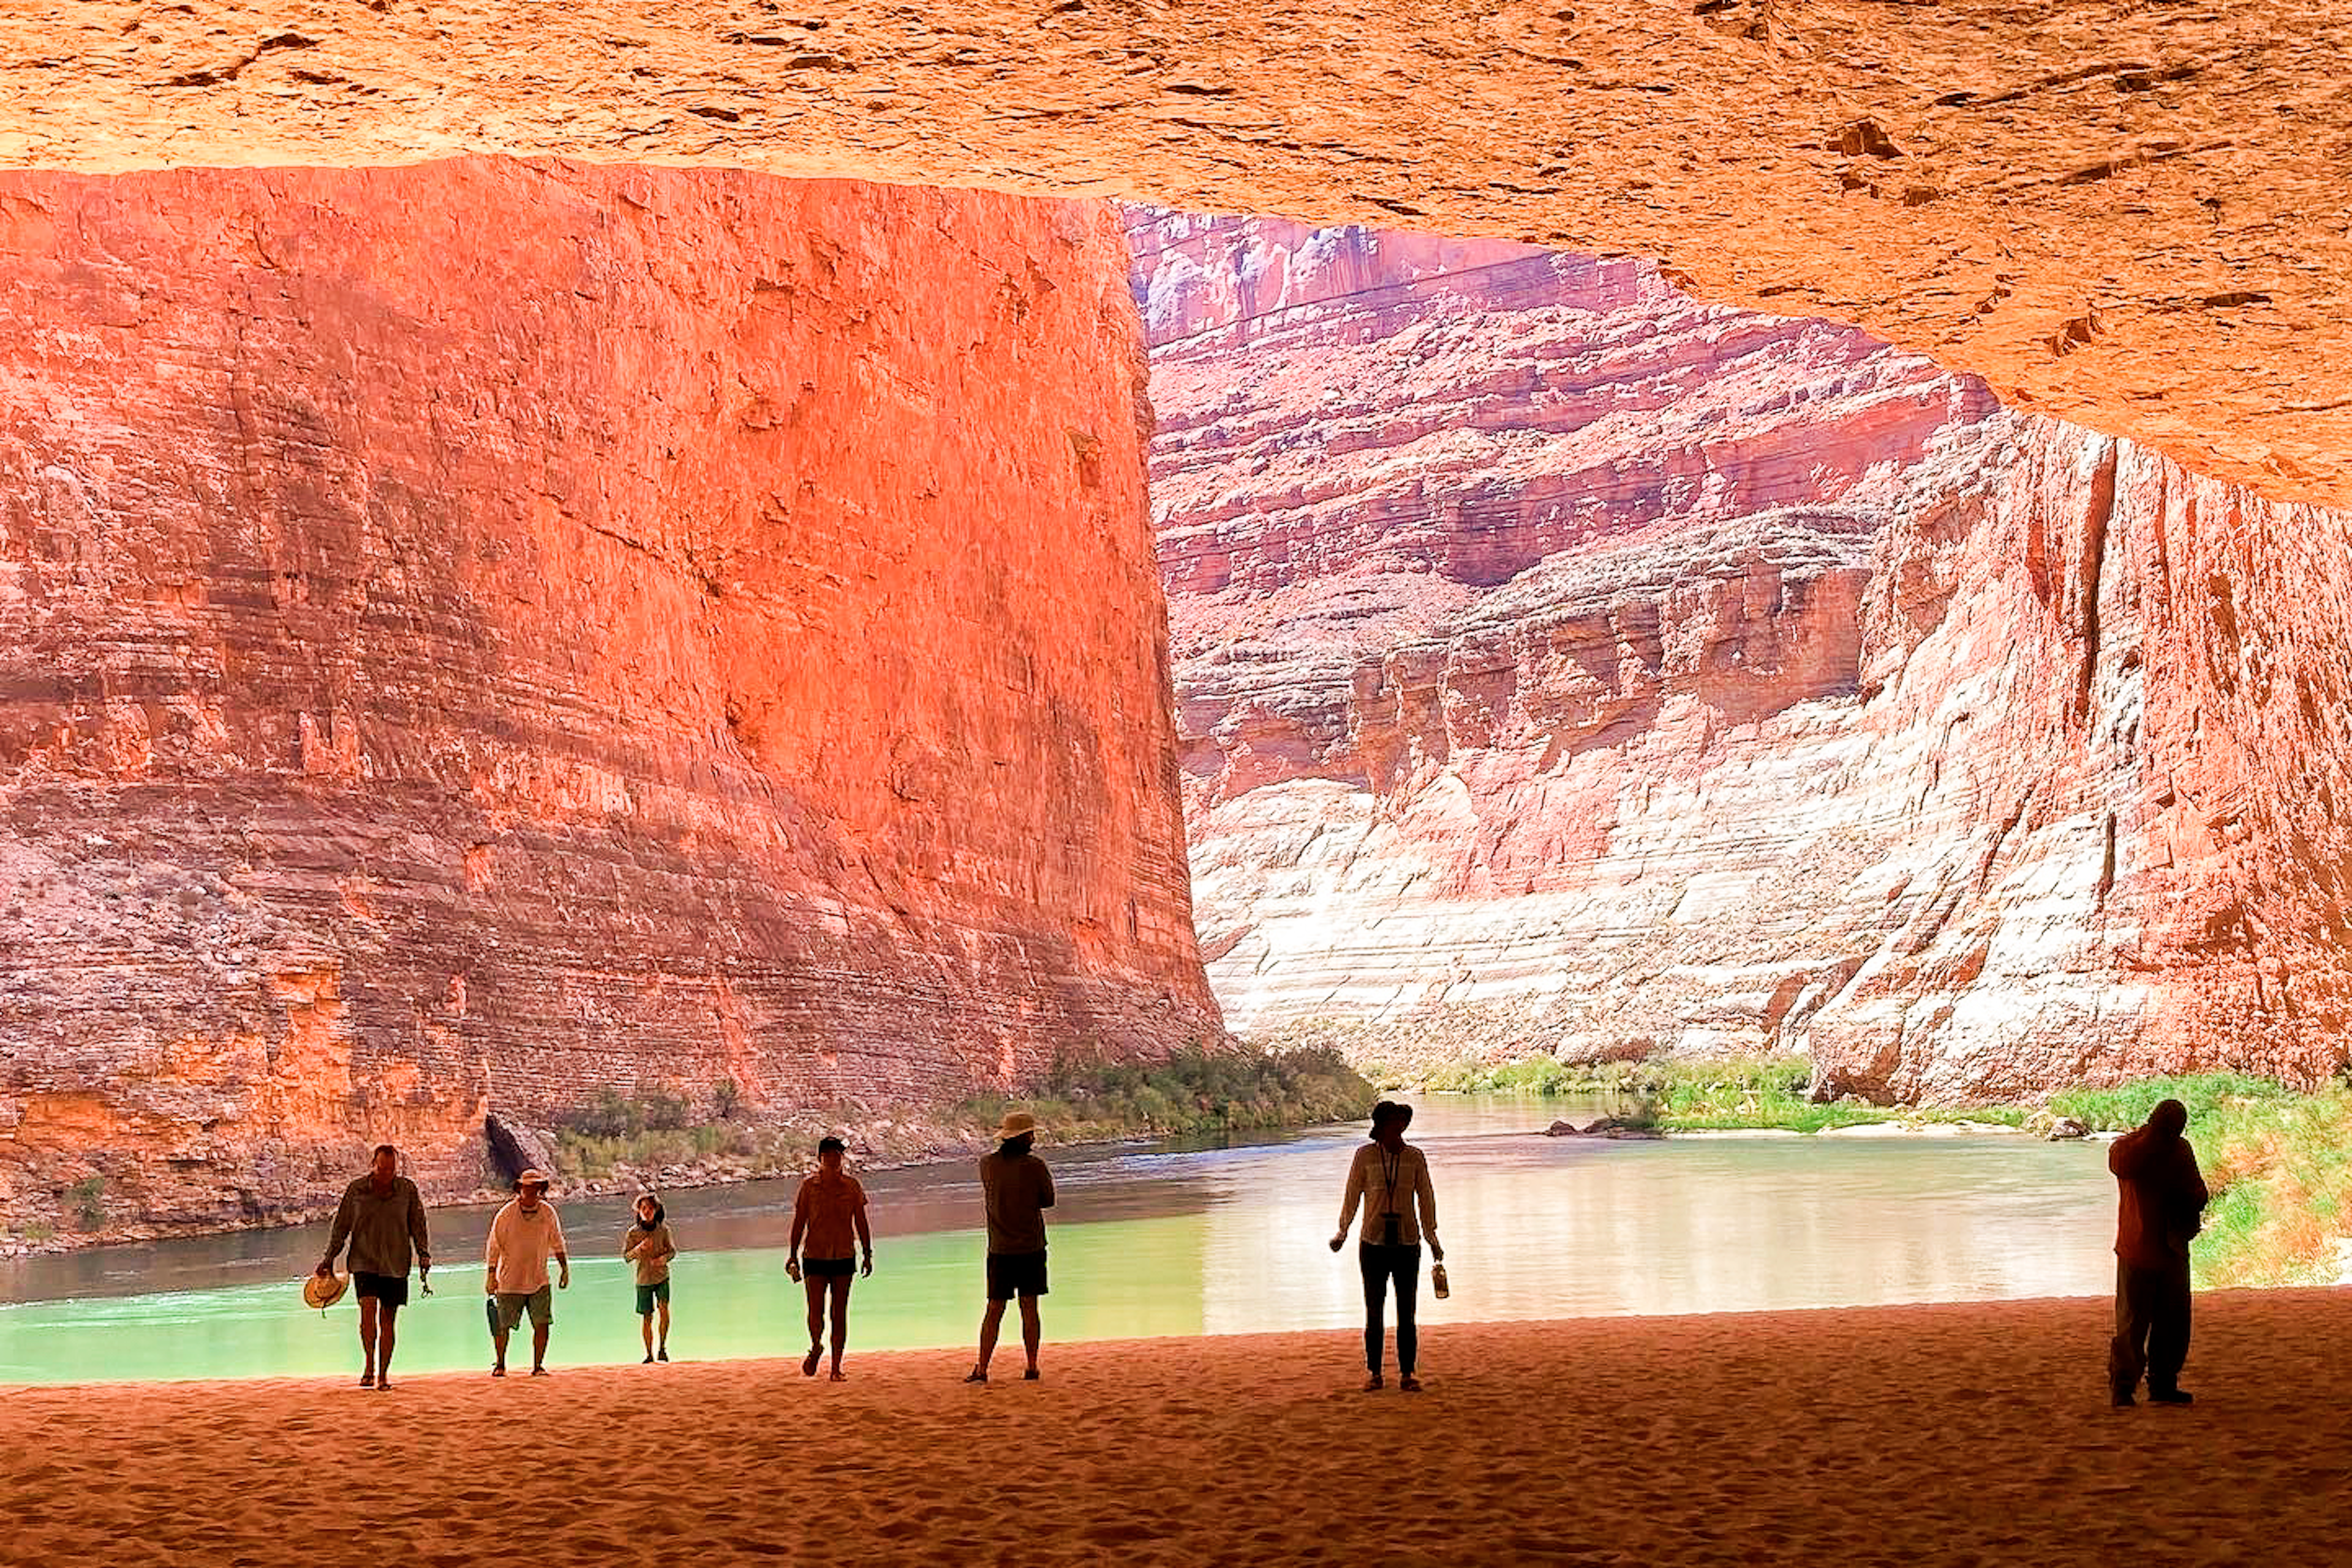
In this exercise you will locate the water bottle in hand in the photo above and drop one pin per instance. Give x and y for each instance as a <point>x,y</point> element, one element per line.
<point>1437,1280</point>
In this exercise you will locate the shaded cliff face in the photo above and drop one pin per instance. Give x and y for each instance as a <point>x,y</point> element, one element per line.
<point>1562,665</point>
<point>2134,216</point>
<point>478,633</point>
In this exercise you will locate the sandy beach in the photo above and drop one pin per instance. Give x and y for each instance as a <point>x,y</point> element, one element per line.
<point>1961,1434</point>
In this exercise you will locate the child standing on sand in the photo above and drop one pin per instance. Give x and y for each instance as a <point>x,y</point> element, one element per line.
<point>647,1244</point>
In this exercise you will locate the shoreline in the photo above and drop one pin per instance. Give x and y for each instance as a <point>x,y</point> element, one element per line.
<point>700,1175</point>
<point>1814,1435</point>
<point>687,1178</point>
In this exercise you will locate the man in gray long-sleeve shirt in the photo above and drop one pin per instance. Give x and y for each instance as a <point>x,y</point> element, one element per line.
<point>382,1215</point>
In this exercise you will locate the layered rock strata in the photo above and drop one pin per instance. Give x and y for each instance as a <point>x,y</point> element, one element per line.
<point>2131,215</point>
<point>1562,665</point>
<point>476,635</point>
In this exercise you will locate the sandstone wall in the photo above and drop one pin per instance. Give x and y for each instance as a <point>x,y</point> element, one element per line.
<point>475,633</point>
<point>1563,665</point>
<point>2134,216</point>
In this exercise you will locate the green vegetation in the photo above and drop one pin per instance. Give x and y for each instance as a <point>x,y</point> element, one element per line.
<point>87,1199</point>
<point>642,1131</point>
<point>2125,1107</point>
<point>2278,1163</point>
<point>2277,1160</point>
<point>1193,1091</point>
<point>1706,1095</point>
<point>612,1115</point>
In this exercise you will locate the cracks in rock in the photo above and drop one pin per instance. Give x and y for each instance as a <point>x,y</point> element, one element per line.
<point>2130,76</point>
<point>213,75</point>
<point>2093,564</point>
<point>2107,866</point>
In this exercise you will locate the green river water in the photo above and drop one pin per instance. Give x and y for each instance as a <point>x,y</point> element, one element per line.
<point>1152,1241</point>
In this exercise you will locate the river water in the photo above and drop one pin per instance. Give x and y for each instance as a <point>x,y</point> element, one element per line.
<point>1166,1239</point>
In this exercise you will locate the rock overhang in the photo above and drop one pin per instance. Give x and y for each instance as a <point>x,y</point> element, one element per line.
<point>2136,219</point>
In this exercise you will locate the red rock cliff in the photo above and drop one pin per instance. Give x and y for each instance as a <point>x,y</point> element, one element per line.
<point>478,633</point>
<point>1562,665</point>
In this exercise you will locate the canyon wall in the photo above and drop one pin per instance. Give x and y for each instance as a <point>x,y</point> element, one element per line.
<point>2134,216</point>
<point>1565,666</point>
<point>478,633</point>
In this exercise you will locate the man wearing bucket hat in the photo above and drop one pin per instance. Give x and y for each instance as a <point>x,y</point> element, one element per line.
<point>523,1236</point>
<point>1019,1190</point>
<point>383,1217</point>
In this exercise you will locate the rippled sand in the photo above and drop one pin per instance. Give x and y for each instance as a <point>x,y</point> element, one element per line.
<point>1929,1434</point>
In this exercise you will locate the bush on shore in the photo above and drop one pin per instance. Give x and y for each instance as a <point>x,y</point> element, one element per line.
<point>2278,1161</point>
<point>1195,1090</point>
<point>1713,1094</point>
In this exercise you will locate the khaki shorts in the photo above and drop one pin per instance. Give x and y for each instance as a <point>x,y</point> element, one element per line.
<point>538,1303</point>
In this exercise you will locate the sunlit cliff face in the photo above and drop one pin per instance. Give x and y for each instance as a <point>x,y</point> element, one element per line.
<point>1562,665</point>
<point>479,635</point>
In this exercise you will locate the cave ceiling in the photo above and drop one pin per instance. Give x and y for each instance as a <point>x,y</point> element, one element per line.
<point>2135,215</point>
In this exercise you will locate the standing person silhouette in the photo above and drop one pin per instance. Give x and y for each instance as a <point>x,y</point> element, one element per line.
<point>1390,1178</point>
<point>383,1217</point>
<point>2160,1206</point>
<point>1019,1190</point>
<point>829,1214</point>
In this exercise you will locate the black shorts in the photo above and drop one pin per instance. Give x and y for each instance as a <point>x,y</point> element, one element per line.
<point>1011,1274</point>
<point>828,1268</point>
<point>391,1290</point>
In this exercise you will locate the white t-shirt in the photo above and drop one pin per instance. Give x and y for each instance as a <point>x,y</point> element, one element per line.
<point>519,1246</point>
<point>1388,1184</point>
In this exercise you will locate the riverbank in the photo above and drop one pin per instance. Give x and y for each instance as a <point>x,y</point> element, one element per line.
<point>2277,1158</point>
<point>626,1143</point>
<point>1793,1438</point>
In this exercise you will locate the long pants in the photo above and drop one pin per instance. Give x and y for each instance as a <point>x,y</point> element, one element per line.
<point>1382,1264</point>
<point>2151,1327</point>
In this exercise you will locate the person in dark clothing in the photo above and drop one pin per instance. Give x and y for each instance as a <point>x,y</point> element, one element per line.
<point>383,1217</point>
<point>1019,1189</point>
<point>1390,1179</point>
<point>2160,1206</point>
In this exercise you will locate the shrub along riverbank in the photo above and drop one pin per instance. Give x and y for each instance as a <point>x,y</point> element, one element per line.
<point>1706,1095</point>
<point>616,1139</point>
<point>2277,1160</point>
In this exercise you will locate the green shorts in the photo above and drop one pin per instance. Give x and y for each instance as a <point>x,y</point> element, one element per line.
<point>648,1294</point>
<point>538,1303</point>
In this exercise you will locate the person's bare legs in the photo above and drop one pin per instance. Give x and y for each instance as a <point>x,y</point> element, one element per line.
<point>384,1318</point>
<point>814,1284</point>
<point>645,1332</point>
<point>990,1321</point>
<point>1030,1333</point>
<point>538,1349</point>
<point>499,1348</point>
<point>367,1341</point>
<point>840,1283</point>
<point>663,1305</point>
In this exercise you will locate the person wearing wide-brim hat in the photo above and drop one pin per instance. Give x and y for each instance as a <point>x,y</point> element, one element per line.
<point>523,1236</point>
<point>1019,1189</point>
<point>1390,1178</point>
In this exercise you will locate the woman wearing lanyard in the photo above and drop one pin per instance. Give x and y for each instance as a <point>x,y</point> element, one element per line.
<point>1392,1179</point>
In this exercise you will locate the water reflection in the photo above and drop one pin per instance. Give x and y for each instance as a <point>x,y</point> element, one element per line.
<point>1169,1240</point>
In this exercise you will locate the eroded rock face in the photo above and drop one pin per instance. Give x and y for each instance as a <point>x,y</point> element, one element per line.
<point>2134,217</point>
<point>475,633</point>
<point>1563,665</point>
